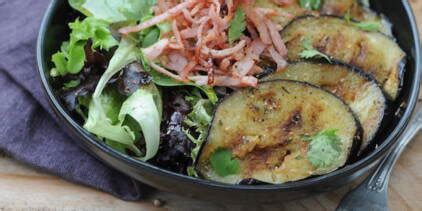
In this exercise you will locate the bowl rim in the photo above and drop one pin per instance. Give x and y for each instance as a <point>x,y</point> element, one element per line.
<point>297,185</point>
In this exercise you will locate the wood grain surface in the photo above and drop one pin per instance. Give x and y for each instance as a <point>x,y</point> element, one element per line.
<point>24,188</point>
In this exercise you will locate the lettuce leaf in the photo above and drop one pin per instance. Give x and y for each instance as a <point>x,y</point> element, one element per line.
<point>71,57</point>
<point>106,117</point>
<point>198,121</point>
<point>98,122</point>
<point>144,106</point>
<point>101,125</point>
<point>126,53</point>
<point>114,11</point>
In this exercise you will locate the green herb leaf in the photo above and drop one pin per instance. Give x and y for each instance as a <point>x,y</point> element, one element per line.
<point>310,52</point>
<point>310,4</point>
<point>369,26</point>
<point>366,26</point>
<point>324,149</point>
<point>151,37</point>
<point>223,163</point>
<point>237,25</point>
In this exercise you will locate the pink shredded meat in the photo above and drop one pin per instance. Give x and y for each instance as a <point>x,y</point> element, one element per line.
<point>197,47</point>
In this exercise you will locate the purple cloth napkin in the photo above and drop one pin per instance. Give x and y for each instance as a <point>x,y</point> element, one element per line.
<point>28,130</point>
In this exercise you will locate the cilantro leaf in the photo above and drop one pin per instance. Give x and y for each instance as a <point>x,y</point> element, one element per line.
<point>237,25</point>
<point>324,149</point>
<point>223,163</point>
<point>310,4</point>
<point>368,26</point>
<point>310,52</point>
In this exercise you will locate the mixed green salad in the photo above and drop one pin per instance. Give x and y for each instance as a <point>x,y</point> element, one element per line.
<point>186,84</point>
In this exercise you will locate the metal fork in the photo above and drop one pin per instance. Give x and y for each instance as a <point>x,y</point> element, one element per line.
<point>372,193</point>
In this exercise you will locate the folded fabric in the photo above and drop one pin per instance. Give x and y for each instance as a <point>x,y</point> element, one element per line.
<point>29,131</point>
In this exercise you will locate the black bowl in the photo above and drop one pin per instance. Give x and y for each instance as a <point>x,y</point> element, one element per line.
<point>54,30</point>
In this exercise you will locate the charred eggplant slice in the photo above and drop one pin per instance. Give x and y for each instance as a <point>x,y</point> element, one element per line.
<point>372,52</point>
<point>354,87</point>
<point>282,131</point>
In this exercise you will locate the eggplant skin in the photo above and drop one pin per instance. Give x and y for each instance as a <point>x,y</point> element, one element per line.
<point>358,90</point>
<point>373,52</point>
<point>264,129</point>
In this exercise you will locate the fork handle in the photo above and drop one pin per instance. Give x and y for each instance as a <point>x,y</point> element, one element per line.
<point>379,179</point>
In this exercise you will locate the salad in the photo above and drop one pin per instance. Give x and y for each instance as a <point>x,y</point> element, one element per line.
<point>235,91</point>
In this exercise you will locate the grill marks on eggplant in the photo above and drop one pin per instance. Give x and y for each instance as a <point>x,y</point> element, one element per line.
<point>358,90</point>
<point>264,129</point>
<point>372,52</point>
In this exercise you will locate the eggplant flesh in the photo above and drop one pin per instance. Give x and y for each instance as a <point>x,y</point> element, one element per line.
<point>264,129</point>
<point>354,87</point>
<point>373,52</point>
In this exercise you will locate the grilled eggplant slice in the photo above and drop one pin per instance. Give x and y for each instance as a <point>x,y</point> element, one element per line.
<point>356,9</point>
<point>359,90</point>
<point>372,52</point>
<point>262,134</point>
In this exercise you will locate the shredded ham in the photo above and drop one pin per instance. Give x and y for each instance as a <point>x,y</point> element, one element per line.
<point>258,20</point>
<point>276,38</point>
<point>177,35</point>
<point>197,48</point>
<point>176,62</point>
<point>157,19</point>
<point>154,51</point>
<point>165,72</point>
<point>225,52</point>
<point>281,62</point>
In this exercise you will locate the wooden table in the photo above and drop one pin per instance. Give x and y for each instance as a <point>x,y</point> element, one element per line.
<point>22,187</point>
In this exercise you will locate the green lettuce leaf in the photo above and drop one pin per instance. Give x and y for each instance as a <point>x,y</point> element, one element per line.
<point>71,57</point>
<point>101,125</point>
<point>143,106</point>
<point>114,11</point>
<point>126,53</point>
<point>96,30</point>
<point>102,119</point>
<point>198,122</point>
